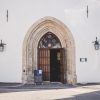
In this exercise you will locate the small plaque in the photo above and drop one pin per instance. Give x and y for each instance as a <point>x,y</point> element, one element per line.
<point>40,71</point>
<point>83,59</point>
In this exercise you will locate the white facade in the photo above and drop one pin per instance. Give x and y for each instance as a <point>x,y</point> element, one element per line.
<point>22,14</point>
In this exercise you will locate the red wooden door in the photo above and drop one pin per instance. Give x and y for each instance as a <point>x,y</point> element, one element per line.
<point>62,65</point>
<point>44,63</point>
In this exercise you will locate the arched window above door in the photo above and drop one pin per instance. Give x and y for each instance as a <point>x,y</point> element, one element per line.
<point>49,40</point>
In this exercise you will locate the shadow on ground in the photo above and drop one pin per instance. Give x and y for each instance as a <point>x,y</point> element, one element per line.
<point>17,87</point>
<point>8,88</point>
<point>86,96</point>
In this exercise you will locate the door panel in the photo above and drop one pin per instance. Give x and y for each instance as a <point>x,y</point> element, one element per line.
<point>44,63</point>
<point>62,64</point>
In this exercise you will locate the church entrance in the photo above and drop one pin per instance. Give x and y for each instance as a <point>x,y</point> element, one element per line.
<point>49,45</point>
<point>50,59</point>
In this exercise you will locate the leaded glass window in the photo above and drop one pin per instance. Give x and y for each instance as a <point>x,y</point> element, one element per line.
<point>49,40</point>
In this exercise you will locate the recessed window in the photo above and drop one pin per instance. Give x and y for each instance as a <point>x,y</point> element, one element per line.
<point>49,40</point>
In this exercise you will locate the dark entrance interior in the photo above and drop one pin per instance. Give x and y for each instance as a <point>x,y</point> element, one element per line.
<point>54,65</point>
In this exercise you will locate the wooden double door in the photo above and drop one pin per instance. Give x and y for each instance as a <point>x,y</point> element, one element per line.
<point>51,62</point>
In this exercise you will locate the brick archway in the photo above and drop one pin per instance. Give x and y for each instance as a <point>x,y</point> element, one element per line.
<point>30,44</point>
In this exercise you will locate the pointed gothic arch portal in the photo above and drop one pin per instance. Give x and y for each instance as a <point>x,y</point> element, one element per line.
<point>52,43</point>
<point>51,58</point>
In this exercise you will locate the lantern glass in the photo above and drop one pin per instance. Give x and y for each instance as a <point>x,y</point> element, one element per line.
<point>1,48</point>
<point>96,46</point>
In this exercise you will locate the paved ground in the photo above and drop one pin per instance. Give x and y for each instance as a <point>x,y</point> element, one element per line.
<point>49,92</point>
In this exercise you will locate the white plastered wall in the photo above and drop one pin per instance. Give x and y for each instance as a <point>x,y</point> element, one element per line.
<point>22,15</point>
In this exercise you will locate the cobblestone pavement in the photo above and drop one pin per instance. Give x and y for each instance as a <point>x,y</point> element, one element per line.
<point>57,92</point>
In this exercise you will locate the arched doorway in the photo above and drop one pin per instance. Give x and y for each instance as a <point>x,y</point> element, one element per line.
<point>30,45</point>
<point>51,58</point>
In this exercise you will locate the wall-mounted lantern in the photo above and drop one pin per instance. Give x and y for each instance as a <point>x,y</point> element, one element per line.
<point>2,45</point>
<point>96,44</point>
